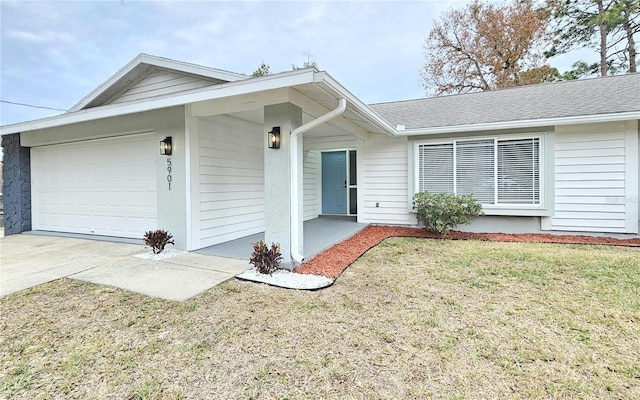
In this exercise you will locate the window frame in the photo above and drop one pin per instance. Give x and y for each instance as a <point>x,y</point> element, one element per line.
<point>516,209</point>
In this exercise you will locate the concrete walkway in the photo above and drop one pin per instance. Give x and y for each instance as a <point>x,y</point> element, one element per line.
<point>31,260</point>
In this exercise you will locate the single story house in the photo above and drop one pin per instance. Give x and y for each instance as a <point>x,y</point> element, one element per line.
<point>212,156</point>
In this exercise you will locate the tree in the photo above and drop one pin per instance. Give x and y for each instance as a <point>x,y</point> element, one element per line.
<point>580,69</point>
<point>582,23</point>
<point>626,15</point>
<point>485,47</point>
<point>262,70</point>
<point>607,25</point>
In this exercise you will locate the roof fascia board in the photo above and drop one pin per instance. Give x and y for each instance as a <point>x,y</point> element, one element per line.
<point>195,69</point>
<point>360,107</point>
<point>161,63</point>
<point>269,82</point>
<point>531,123</point>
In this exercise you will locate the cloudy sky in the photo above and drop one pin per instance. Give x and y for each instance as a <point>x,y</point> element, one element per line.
<point>53,53</point>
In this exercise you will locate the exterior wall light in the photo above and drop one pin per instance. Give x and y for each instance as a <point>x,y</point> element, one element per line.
<point>165,146</point>
<point>273,138</point>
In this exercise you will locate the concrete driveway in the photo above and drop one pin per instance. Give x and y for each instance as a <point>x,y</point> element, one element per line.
<point>31,260</point>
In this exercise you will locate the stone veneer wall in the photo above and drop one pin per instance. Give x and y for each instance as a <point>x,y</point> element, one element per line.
<point>16,188</point>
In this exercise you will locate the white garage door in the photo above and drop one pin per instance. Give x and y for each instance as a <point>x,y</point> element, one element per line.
<point>101,187</point>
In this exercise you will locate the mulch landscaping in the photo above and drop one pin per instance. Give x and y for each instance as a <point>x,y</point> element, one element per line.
<point>333,261</point>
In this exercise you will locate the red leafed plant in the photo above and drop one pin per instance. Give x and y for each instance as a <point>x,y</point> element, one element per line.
<point>265,259</point>
<point>158,239</point>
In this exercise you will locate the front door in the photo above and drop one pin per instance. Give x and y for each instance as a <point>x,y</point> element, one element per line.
<point>334,182</point>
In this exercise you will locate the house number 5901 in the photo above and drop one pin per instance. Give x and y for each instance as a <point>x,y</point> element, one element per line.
<point>169,172</point>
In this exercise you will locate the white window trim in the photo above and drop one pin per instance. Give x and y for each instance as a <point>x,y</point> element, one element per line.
<point>541,209</point>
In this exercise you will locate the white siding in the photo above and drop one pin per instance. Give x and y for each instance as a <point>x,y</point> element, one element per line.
<point>161,82</point>
<point>595,179</point>
<point>311,180</point>
<point>231,179</point>
<point>342,142</point>
<point>384,164</point>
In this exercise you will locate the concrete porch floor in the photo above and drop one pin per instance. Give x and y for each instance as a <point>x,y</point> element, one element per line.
<point>319,234</point>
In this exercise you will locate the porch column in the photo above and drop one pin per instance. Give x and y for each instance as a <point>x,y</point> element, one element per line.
<point>277,179</point>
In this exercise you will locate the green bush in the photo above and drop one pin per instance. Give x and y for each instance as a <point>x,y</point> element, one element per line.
<point>266,260</point>
<point>439,212</point>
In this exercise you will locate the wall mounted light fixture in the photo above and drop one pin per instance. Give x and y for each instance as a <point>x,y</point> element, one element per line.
<point>273,138</point>
<point>165,146</point>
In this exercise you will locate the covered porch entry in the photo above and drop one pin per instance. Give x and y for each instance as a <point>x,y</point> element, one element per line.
<point>319,234</point>
<point>275,164</point>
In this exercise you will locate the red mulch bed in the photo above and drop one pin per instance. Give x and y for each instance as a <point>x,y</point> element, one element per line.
<point>333,261</point>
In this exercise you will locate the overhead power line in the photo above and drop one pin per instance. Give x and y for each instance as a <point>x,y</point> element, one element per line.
<point>31,105</point>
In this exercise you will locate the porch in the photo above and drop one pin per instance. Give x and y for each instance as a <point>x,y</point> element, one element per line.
<point>319,234</point>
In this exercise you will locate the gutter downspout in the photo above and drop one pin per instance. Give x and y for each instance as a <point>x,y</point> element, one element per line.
<point>342,105</point>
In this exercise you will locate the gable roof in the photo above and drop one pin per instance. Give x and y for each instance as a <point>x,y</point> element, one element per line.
<point>552,101</point>
<point>317,89</point>
<point>141,67</point>
<point>584,101</point>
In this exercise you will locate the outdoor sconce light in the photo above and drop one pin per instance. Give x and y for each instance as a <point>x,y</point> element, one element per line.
<point>165,146</point>
<point>274,138</point>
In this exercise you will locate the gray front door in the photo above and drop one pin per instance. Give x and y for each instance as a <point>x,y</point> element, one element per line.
<point>334,182</point>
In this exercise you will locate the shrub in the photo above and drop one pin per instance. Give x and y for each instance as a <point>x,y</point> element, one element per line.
<point>439,212</point>
<point>157,240</point>
<point>266,260</point>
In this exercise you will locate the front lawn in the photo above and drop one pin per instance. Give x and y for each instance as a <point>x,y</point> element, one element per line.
<point>412,318</point>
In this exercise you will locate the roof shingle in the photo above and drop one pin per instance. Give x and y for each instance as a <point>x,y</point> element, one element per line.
<point>615,94</point>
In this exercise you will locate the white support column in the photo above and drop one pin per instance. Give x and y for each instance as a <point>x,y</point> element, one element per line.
<point>277,179</point>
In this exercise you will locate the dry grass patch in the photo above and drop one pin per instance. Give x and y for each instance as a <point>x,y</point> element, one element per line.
<point>413,318</point>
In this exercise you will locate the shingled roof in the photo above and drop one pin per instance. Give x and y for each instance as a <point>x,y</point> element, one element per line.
<point>609,95</point>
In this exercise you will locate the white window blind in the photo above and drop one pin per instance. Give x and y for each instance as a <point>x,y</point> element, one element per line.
<point>435,168</point>
<point>505,171</point>
<point>519,171</point>
<point>475,169</point>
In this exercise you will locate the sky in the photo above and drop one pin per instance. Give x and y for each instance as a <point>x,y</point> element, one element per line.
<point>53,53</point>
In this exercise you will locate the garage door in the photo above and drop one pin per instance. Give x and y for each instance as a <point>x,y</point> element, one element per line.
<point>101,187</point>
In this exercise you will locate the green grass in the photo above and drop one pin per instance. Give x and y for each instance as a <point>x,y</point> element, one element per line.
<point>412,318</point>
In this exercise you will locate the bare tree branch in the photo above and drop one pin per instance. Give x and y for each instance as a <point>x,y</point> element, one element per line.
<point>484,47</point>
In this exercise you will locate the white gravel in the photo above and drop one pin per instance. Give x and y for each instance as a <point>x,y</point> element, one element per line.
<point>287,279</point>
<point>281,278</point>
<point>166,253</point>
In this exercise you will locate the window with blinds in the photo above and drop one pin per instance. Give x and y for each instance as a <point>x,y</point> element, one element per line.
<point>519,171</point>
<point>435,166</point>
<point>505,171</point>
<point>475,169</point>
